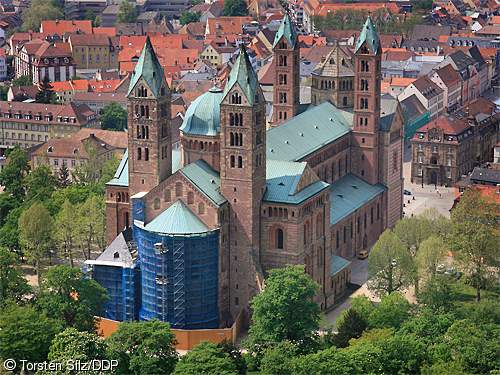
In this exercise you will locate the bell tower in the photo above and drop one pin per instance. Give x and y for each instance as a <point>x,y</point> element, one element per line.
<point>149,128</point>
<point>286,48</point>
<point>243,178</point>
<point>366,143</point>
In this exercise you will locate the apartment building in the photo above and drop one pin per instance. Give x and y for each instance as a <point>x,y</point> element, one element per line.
<point>94,51</point>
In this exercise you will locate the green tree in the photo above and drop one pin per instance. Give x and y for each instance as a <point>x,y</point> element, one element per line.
<point>486,311</point>
<point>97,21</point>
<point>74,346</point>
<point>26,334</point>
<point>9,233</point>
<point>23,81</point>
<point>41,184</point>
<point>92,171</point>
<point>13,285</point>
<point>363,306</point>
<point>12,31</point>
<point>205,358</point>
<point>41,10</point>
<point>36,227</point>
<point>329,361</point>
<point>475,347</point>
<point>278,358</point>
<point>442,367</point>
<point>188,17</point>
<point>67,222</point>
<point>109,170</point>
<point>234,353</point>
<point>128,13</point>
<point>392,311</point>
<point>145,348</point>
<point>91,224</point>
<point>46,94</point>
<point>90,16</point>
<point>402,355</point>
<point>63,177</point>
<point>352,327</point>
<point>437,293</point>
<point>285,310</point>
<point>390,265</point>
<point>428,325</point>
<point>474,236</point>
<point>235,8</point>
<point>429,256</point>
<point>113,117</point>
<point>66,294</point>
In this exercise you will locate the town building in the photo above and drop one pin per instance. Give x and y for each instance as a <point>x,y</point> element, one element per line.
<point>448,79</point>
<point>210,220</point>
<point>94,51</point>
<point>429,94</point>
<point>31,124</point>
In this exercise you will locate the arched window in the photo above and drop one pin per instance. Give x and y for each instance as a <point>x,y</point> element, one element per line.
<point>146,154</point>
<point>147,132</point>
<point>143,112</point>
<point>240,162</point>
<point>178,189</point>
<point>352,229</point>
<point>157,203</point>
<point>363,66</point>
<point>371,216</point>
<point>367,65</point>
<point>345,100</point>
<point>236,301</point>
<point>139,153</point>
<point>345,234</point>
<point>232,161</point>
<point>279,238</point>
<point>378,211</point>
<point>284,61</point>
<point>147,111</point>
<point>365,220</point>
<point>338,239</point>
<point>201,208</point>
<point>231,139</point>
<point>319,256</point>
<point>322,85</point>
<point>319,226</point>
<point>307,264</point>
<point>190,198</point>
<point>167,195</point>
<point>284,79</point>
<point>362,103</point>
<point>362,84</point>
<point>306,232</point>
<point>138,135</point>
<point>231,119</point>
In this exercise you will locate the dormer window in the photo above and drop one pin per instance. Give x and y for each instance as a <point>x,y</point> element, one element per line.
<point>17,116</point>
<point>56,60</point>
<point>66,60</point>
<point>7,114</point>
<point>27,117</point>
<point>75,150</point>
<point>46,61</point>
<point>73,120</point>
<point>50,149</point>
<point>66,119</point>
<point>37,118</point>
<point>59,118</point>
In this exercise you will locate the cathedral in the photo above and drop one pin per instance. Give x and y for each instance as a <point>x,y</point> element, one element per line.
<point>192,232</point>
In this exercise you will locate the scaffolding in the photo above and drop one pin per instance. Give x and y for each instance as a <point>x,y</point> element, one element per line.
<point>179,278</point>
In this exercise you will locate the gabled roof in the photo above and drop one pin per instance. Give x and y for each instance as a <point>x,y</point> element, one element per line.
<point>369,35</point>
<point>337,264</point>
<point>206,179</point>
<point>426,87</point>
<point>89,40</point>
<point>349,193</point>
<point>112,138</point>
<point>448,75</point>
<point>388,108</point>
<point>177,219</point>
<point>62,27</point>
<point>449,124</point>
<point>149,68</point>
<point>282,178</point>
<point>286,30</point>
<point>244,75</point>
<point>308,132</point>
<point>117,253</point>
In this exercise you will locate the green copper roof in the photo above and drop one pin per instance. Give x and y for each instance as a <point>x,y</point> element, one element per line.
<point>369,35</point>
<point>206,179</point>
<point>282,178</point>
<point>244,75</point>
<point>177,219</point>
<point>148,67</point>
<point>203,114</point>
<point>349,193</point>
<point>306,133</point>
<point>337,264</point>
<point>121,175</point>
<point>287,30</point>
<point>176,160</point>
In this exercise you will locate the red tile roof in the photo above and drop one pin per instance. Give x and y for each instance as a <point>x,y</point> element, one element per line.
<point>89,40</point>
<point>448,75</point>
<point>112,138</point>
<point>62,27</point>
<point>449,124</point>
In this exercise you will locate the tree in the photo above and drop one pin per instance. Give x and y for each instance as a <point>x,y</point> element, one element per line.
<point>90,16</point>
<point>429,256</point>
<point>188,17</point>
<point>12,31</point>
<point>63,177</point>
<point>113,117</point>
<point>474,235</point>
<point>74,346</point>
<point>66,294</point>
<point>363,306</point>
<point>392,311</point>
<point>437,293</point>
<point>41,184</point>
<point>128,13</point>
<point>23,81</point>
<point>91,171</point>
<point>234,353</point>
<point>205,358</point>
<point>402,355</point>
<point>109,169</point>
<point>352,327</point>
<point>235,8</point>
<point>36,226</point>
<point>390,266</point>
<point>26,334</point>
<point>329,361</point>
<point>41,10</point>
<point>67,225</point>
<point>278,358</point>
<point>144,347</point>
<point>13,285</point>
<point>91,224</point>
<point>46,94</point>
<point>285,310</point>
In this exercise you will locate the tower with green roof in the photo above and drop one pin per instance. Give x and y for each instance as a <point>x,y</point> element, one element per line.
<point>149,128</point>
<point>243,176</point>
<point>367,158</point>
<point>286,96</point>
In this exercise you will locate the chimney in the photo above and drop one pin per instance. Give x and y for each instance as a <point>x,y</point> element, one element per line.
<point>31,35</point>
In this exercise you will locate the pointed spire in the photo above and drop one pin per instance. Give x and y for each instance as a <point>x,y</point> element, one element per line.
<point>243,74</point>
<point>287,30</point>
<point>369,35</point>
<point>149,68</point>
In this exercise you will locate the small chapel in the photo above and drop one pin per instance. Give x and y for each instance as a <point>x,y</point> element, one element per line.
<point>193,232</point>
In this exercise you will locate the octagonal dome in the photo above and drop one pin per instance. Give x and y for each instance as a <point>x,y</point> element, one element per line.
<point>203,115</point>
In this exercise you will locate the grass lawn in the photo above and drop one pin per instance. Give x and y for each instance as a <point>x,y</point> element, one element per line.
<point>466,294</point>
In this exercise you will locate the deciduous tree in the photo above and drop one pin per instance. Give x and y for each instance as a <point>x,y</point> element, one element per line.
<point>23,80</point>
<point>147,348</point>
<point>352,327</point>
<point>188,17</point>
<point>128,13</point>
<point>205,358</point>
<point>113,117</point>
<point>36,230</point>
<point>41,10</point>
<point>474,235</point>
<point>67,222</point>
<point>285,310</point>
<point>41,184</point>
<point>235,8</point>
<point>390,265</point>
<point>13,285</point>
<point>392,311</point>
<point>66,294</point>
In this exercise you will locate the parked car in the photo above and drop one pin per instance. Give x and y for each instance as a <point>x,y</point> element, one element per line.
<point>363,254</point>
<point>441,268</point>
<point>407,192</point>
